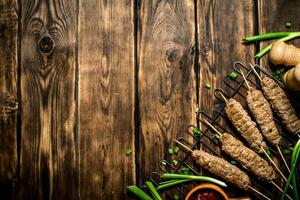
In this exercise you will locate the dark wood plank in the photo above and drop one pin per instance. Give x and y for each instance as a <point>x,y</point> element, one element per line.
<point>106,98</point>
<point>273,15</point>
<point>8,98</point>
<point>48,167</point>
<point>221,27</point>
<point>167,92</point>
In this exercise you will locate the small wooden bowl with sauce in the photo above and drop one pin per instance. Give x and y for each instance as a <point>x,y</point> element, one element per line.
<point>206,192</point>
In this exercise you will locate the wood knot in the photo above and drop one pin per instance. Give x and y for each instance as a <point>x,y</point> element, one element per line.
<point>46,44</point>
<point>8,106</point>
<point>173,54</point>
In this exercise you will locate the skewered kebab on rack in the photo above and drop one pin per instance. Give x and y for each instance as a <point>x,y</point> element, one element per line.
<point>280,103</point>
<point>245,156</point>
<point>220,167</point>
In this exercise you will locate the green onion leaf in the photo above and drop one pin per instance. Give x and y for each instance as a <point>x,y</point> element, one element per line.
<point>233,75</point>
<point>196,131</point>
<point>153,190</point>
<point>168,176</point>
<point>171,151</point>
<point>207,86</point>
<point>266,36</point>
<point>171,183</point>
<point>288,24</point>
<point>175,162</point>
<point>128,152</point>
<point>176,150</point>
<point>138,192</point>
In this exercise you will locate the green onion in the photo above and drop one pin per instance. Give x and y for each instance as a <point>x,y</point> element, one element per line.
<point>128,152</point>
<point>233,162</point>
<point>266,36</point>
<point>185,170</point>
<point>171,183</point>
<point>176,150</point>
<point>164,163</point>
<point>288,24</point>
<point>233,75</point>
<point>207,86</point>
<point>153,190</point>
<point>196,131</point>
<point>171,151</point>
<point>195,178</point>
<point>175,162</point>
<point>292,176</point>
<point>138,192</point>
<point>290,36</point>
<point>176,197</point>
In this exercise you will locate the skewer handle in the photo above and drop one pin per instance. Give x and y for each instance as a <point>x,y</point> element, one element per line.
<point>259,193</point>
<point>212,127</point>
<point>255,72</point>
<point>184,146</point>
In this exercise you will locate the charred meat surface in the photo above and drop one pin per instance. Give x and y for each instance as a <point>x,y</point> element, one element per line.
<point>220,167</point>
<point>247,157</point>
<point>244,124</point>
<point>263,115</point>
<point>281,105</point>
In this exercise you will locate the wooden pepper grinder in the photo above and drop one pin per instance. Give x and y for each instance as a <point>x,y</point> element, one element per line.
<point>288,55</point>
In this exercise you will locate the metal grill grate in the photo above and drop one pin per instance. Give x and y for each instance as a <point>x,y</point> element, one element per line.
<point>236,89</point>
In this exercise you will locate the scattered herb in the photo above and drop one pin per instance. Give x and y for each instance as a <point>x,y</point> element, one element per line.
<point>197,109</point>
<point>138,192</point>
<point>207,86</point>
<point>176,197</point>
<point>176,150</point>
<point>128,152</point>
<point>171,152</point>
<point>288,24</point>
<point>185,170</point>
<point>233,162</point>
<point>196,131</point>
<point>153,191</point>
<point>164,163</point>
<point>233,75</point>
<point>287,151</point>
<point>168,176</point>
<point>175,162</point>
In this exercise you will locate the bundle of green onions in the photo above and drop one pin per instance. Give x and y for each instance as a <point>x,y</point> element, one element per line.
<point>171,180</point>
<point>284,36</point>
<point>293,175</point>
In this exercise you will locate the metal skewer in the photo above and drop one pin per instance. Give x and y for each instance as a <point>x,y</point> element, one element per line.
<point>251,188</point>
<point>277,146</point>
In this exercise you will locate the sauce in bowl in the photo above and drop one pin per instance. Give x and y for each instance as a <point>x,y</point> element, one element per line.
<point>206,194</point>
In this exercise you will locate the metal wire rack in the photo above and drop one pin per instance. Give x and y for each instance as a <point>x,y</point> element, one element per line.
<point>207,141</point>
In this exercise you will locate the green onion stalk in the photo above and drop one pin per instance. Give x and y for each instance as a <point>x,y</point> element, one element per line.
<point>153,190</point>
<point>140,194</point>
<point>293,175</point>
<point>284,36</point>
<point>168,176</point>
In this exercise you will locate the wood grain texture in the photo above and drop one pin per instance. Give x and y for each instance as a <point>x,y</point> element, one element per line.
<point>221,27</point>
<point>106,98</point>
<point>8,98</point>
<point>273,15</point>
<point>166,79</point>
<point>48,167</point>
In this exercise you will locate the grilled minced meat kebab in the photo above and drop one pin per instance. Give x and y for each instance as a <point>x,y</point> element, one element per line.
<point>247,157</point>
<point>245,126</point>
<point>263,115</point>
<point>220,167</point>
<point>281,105</point>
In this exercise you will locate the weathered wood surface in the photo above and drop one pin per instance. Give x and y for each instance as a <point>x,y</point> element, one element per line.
<point>106,98</point>
<point>166,82</point>
<point>48,163</point>
<point>9,105</point>
<point>273,15</point>
<point>98,77</point>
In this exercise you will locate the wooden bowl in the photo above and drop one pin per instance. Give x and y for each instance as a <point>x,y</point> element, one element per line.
<point>206,186</point>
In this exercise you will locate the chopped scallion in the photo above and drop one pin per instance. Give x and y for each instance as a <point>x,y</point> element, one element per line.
<point>164,163</point>
<point>176,197</point>
<point>233,162</point>
<point>207,86</point>
<point>128,152</point>
<point>170,150</point>
<point>233,75</point>
<point>288,24</point>
<point>176,150</point>
<point>175,162</point>
<point>196,132</point>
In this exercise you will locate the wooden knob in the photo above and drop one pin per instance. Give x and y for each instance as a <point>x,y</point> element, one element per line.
<point>292,78</point>
<point>282,53</point>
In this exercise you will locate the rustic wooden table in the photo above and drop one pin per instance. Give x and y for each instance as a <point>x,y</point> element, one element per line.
<point>83,81</point>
